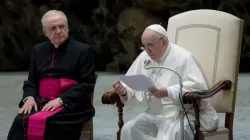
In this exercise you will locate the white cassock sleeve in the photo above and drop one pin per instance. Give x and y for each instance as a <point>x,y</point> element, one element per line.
<point>134,69</point>
<point>192,79</point>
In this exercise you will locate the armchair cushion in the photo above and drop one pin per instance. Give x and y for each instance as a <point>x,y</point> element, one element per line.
<point>219,134</point>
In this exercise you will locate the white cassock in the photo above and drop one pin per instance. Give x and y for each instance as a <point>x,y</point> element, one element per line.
<point>161,121</point>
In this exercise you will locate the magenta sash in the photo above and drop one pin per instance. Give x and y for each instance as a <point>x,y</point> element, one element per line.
<point>50,88</point>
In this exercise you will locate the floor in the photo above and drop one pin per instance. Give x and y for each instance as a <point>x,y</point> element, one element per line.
<point>106,115</point>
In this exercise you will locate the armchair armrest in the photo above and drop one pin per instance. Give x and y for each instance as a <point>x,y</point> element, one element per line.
<point>112,98</point>
<point>195,97</point>
<point>190,97</point>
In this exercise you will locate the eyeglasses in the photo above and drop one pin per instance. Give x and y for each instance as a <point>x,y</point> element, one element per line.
<point>152,45</point>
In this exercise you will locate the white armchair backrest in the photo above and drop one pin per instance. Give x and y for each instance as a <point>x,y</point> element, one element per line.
<point>214,37</point>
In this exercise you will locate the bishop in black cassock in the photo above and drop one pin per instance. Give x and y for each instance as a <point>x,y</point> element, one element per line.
<point>63,74</point>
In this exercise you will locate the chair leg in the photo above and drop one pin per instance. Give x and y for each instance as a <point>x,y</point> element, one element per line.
<point>120,122</point>
<point>229,124</point>
<point>119,135</point>
<point>87,131</point>
<point>91,131</point>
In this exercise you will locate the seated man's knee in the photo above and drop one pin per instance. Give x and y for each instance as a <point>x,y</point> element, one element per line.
<point>132,127</point>
<point>19,120</point>
<point>128,126</point>
<point>188,134</point>
<point>137,126</point>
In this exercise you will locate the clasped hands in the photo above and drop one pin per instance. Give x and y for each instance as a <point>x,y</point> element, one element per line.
<point>158,93</point>
<point>31,103</point>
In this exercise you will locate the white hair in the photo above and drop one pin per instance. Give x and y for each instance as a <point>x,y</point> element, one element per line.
<point>52,13</point>
<point>160,36</point>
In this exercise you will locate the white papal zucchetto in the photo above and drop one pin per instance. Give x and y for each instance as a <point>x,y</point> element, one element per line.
<point>159,29</point>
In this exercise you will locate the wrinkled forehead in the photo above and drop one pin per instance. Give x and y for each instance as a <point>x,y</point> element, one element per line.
<point>55,20</point>
<point>148,37</point>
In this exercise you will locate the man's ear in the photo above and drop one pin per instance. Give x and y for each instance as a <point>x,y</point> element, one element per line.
<point>44,31</point>
<point>164,41</point>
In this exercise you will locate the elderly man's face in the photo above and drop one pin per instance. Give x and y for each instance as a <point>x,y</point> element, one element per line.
<point>56,29</point>
<point>154,45</point>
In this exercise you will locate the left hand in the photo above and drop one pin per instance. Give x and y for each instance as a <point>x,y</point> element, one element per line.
<point>51,105</point>
<point>158,93</point>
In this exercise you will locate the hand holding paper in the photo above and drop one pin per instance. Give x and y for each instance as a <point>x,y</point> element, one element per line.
<point>138,82</point>
<point>119,88</point>
<point>159,93</point>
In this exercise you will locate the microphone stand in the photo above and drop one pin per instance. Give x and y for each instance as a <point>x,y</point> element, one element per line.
<point>181,111</point>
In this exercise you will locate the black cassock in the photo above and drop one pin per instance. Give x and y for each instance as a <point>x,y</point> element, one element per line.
<point>72,60</point>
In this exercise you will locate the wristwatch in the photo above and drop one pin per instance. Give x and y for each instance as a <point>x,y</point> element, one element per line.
<point>60,101</point>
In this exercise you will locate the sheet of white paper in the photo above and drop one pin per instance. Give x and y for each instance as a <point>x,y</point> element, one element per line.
<point>138,82</point>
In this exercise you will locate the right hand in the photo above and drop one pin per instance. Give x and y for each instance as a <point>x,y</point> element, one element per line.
<point>28,105</point>
<point>119,88</point>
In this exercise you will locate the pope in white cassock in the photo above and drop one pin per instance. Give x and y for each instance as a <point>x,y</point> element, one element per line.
<point>161,121</point>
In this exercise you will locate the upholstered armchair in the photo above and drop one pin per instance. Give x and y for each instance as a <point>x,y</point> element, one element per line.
<point>87,129</point>
<point>214,37</point>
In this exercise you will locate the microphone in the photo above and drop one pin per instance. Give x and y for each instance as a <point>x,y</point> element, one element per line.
<point>146,63</point>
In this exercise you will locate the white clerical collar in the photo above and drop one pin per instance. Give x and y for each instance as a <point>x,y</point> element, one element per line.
<point>56,46</point>
<point>164,56</point>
